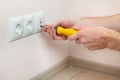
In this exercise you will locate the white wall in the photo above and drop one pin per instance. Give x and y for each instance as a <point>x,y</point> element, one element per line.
<point>80,8</point>
<point>25,58</point>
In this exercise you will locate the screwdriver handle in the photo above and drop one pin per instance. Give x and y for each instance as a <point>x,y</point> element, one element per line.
<point>65,31</point>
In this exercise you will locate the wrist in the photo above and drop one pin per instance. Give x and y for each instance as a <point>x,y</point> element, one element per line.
<point>113,40</point>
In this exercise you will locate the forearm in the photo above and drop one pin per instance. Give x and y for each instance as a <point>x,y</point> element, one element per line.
<point>112,22</point>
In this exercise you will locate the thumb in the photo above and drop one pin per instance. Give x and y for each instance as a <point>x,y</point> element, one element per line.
<point>74,36</point>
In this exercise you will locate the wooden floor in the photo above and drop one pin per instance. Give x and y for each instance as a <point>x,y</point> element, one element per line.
<point>82,74</point>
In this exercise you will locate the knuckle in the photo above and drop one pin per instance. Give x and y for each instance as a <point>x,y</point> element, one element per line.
<point>77,41</point>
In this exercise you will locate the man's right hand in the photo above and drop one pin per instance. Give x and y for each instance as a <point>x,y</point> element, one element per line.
<point>52,32</point>
<point>97,37</point>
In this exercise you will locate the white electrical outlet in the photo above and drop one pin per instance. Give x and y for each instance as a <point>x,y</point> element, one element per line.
<point>15,28</point>
<point>28,25</point>
<point>38,21</point>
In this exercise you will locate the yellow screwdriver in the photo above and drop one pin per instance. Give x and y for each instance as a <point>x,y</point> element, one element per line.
<point>65,31</point>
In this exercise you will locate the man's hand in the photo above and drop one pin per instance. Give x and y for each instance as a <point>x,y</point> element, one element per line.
<point>95,38</point>
<point>52,32</point>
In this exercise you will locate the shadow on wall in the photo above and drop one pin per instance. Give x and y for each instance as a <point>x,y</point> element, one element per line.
<point>60,44</point>
<point>47,39</point>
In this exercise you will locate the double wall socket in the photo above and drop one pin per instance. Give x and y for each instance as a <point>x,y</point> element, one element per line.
<point>23,26</point>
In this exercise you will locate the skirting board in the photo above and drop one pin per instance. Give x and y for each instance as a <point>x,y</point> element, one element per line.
<point>53,70</point>
<point>80,63</point>
<point>100,67</point>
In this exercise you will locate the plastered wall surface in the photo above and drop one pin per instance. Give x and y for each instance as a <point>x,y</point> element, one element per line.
<point>26,58</point>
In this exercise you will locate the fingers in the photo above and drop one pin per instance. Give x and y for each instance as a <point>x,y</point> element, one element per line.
<point>82,40</point>
<point>74,37</point>
<point>44,29</point>
<point>59,37</point>
<point>94,46</point>
<point>52,32</point>
<point>91,45</point>
<point>78,41</point>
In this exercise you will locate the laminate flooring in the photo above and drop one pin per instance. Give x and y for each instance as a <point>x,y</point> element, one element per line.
<point>72,73</point>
